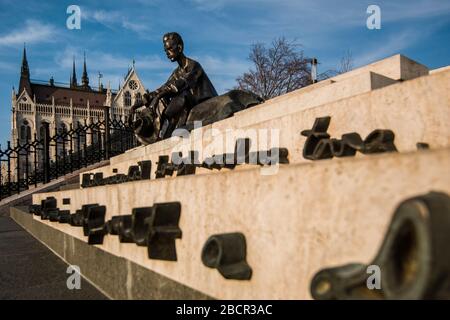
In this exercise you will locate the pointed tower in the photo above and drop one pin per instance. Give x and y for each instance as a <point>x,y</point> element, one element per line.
<point>14,97</point>
<point>108,101</point>
<point>85,78</point>
<point>25,83</point>
<point>73,77</point>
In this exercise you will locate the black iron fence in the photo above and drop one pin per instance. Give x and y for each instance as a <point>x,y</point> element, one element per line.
<point>49,157</point>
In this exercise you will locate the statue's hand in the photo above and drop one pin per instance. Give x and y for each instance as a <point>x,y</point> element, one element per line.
<point>148,97</point>
<point>166,90</point>
<point>137,104</point>
<point>134,107</point>
<point>154,102</point>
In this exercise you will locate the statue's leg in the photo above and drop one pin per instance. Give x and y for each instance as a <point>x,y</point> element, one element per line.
<point>175,107</point>
<point>171,115</point>
<point>189,103</point>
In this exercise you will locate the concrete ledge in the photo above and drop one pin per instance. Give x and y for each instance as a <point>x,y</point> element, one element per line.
<point>362,80</point>
<point>397,67</point>
<point>416,111</point>
<point>292,102</point>
<point>446,68</point>
<point>116,277</point>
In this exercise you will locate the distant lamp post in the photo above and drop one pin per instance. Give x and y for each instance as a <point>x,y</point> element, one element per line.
<point>313,62</point>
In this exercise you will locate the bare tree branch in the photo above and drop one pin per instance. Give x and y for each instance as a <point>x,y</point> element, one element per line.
<point>277,70</point>
<point>346,65</point>
<point>346,62</point>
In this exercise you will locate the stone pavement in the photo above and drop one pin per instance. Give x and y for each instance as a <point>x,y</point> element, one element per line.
<point>29,270</point>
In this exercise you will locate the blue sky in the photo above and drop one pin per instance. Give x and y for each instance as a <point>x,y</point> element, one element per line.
<point>218,33</point>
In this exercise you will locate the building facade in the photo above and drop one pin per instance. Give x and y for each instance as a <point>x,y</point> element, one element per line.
<point>66,106</point>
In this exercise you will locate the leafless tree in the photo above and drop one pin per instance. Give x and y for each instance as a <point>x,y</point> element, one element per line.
<point>345,65</point>
<point>346,62</point>
<point>277,70</point>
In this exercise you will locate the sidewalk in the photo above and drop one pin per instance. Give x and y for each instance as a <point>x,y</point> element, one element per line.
<point>29,270</point>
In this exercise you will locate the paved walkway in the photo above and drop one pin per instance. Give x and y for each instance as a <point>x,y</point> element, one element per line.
<point>29,270</point>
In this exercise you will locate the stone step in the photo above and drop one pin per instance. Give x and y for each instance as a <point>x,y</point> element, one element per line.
<point>306,217</point>
<point>295,101</point>
<point>373,76</point>
<point>415,110</point>
<point>397,67</point>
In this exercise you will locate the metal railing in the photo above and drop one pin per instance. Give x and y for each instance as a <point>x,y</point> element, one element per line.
<point>42,160</point>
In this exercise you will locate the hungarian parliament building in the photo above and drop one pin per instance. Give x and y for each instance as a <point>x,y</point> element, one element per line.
<point>62,106</point>
<point>65,106</point>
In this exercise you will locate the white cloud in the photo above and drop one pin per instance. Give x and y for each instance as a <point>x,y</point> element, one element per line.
<point>105,61</point>
<point>153,62</point>
<point>33,31</point>
<point>103,16</point>
<point>136,27</point>
<point>223,71</point>
<point>117,19</point>
<point>208,5</point>
<point>348,12</point>
<point>154,70</point>
<point>228,66</point>
<point>395,11</point>
<point>113,66</point>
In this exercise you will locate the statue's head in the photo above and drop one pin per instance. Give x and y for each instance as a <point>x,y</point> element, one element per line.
<point>173,45</point>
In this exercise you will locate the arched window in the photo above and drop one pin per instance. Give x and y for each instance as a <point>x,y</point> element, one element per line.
<point>81,140</point>
<point>62,139</point>
<point>42,131</point>
<point>24,137</point>
<point>62,128</point>
<point>41,137</point>
<point>25,131</point>
<point>138,97</point>
<point>95,136</point>
<point>127,99</point>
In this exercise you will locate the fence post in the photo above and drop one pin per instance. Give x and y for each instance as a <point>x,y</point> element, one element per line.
<point>46,147</point>
<point>9,169</point>
<point>18,165</point>
<point>107,131</point>
<point>36,157</point>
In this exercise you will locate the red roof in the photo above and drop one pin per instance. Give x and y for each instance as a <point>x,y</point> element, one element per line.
<point>63,95</point>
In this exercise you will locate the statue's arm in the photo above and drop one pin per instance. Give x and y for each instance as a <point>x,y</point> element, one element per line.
<point>174,84</point>
<point>159,93</point>
<point>178,83</point>
<point>167,88</point>
<point>191,78</point>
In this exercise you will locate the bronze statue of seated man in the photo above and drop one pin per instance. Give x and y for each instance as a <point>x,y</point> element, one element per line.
<point>187,86</point>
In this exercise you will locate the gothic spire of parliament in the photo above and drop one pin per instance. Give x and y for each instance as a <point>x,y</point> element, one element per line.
<point>25,83</point>
<point>84,79</point>
<point>73,77</point>
<point>34,88</point>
